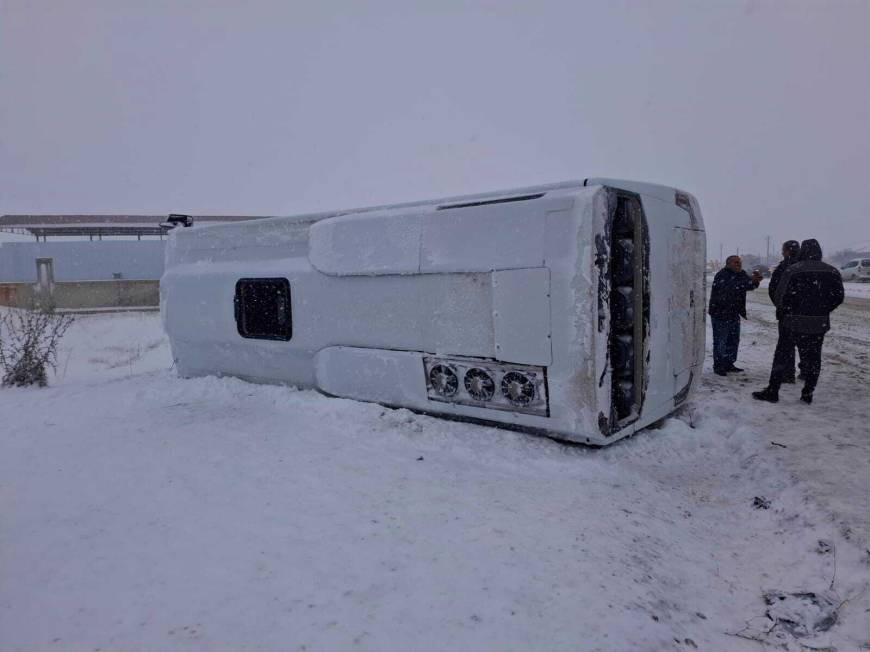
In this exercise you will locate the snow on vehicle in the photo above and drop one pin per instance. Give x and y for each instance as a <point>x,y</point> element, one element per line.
<point>574,309</point>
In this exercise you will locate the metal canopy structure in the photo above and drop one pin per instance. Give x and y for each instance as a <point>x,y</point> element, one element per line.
<point>96,227</point>
<point>95,232</point>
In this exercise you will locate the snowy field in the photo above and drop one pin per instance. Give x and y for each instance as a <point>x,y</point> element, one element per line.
<point>861,290</point>
<point>140,511</point>
<point>857,290</point>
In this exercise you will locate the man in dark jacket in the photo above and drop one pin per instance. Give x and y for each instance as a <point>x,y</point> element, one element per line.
<point>790,250</point>
<point>806,294</point>
<point>727,307</point>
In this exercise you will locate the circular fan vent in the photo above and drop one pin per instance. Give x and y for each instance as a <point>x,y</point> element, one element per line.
<point>443,380</point>
<point>479,384</point>
<point>517,388</point>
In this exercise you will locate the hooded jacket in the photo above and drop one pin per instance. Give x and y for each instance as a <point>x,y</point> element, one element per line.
<point>809,291</point>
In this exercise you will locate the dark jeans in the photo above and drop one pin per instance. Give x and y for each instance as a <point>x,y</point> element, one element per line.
<point>785,346</point>
<point>810,349</point>
<point>726,341</point>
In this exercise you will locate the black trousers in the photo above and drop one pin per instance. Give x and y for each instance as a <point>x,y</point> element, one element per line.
<point>785,347</point>
<point>810,350</point>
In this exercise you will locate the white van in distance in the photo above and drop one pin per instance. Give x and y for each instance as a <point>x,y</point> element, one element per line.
<point>575,309</point>
<point>856,270</point>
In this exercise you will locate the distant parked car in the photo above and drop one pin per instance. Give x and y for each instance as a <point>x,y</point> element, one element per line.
<point>856,270</point>
<point>763,269</point>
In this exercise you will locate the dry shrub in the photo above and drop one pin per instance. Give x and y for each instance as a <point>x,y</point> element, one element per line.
<point>28,344</point>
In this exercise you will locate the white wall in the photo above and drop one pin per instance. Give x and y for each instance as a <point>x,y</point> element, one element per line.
<point>83,261</point>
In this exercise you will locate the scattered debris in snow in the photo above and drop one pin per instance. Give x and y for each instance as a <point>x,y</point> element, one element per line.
<point>824,547</point>
<point>760,502</point>
<point>802,614</point>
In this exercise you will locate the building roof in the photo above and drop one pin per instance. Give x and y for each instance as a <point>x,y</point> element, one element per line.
<point>25,221</point>
<point>98,226</point>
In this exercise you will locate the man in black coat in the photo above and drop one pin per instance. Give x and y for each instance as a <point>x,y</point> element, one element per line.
<point>806,294</point>
<point>727,307</point>
<point>790,250</point>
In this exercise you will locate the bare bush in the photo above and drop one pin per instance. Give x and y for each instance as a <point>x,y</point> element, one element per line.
<point>28,344</point>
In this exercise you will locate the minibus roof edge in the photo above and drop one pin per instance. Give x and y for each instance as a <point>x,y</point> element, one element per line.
<point>665,193</point>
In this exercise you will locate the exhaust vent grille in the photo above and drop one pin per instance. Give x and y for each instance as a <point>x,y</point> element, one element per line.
<point>443,380</point>
<point>487,384</point>
<point>479,384</point>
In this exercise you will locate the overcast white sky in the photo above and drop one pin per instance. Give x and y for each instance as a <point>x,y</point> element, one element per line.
<point>761,109</point>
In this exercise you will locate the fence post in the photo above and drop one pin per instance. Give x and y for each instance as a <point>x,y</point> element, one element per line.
<point>45,280</point>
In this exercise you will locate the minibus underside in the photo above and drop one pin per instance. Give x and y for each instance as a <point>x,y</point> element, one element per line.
<point>623,301</point>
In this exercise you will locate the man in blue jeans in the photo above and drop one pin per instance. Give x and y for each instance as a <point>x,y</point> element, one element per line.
<point>727,307</point>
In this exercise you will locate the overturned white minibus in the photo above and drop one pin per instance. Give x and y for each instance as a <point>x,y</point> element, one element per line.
<point>575,309</point>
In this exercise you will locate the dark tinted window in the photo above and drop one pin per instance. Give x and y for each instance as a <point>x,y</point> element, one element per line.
<point>851,263</point>
<point>865,262</point>
<point>262,308</point>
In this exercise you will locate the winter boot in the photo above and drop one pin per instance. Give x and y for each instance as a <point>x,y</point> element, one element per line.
<point>767,394</point>
<point>807,397</point>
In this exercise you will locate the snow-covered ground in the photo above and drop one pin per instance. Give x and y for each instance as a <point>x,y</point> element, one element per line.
<point>858,290</point>
<point>140,511</point>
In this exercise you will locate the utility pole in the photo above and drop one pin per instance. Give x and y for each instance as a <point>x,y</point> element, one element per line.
<point>767,261</point>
